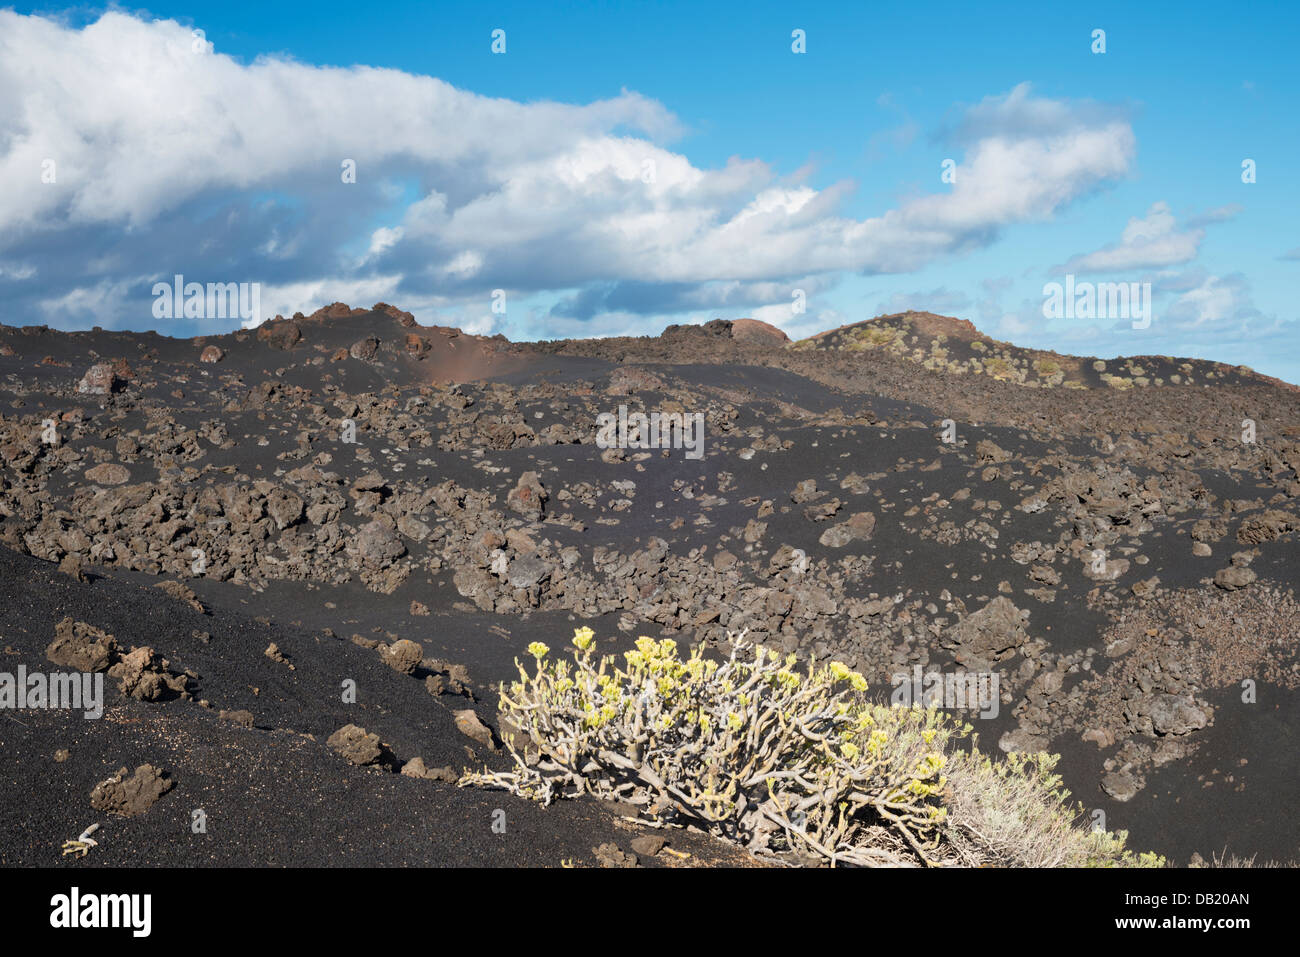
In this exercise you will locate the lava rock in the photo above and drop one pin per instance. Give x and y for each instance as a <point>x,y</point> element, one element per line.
<point>131,796</point>
<point>81,647</point>
<point>99,379</point>
<point>528,496</point>
<point>356,745</point>
<point>1233,577</point>
<point>403,656</point>
<point>1171,714</point>
<point>108,473</point>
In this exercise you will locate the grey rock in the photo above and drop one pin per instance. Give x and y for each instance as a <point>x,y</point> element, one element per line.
<point>379,544</point>
<point>1172,714</point>
<point>527,572</point>
<point>1233,577</point>
<point>1121,785</point>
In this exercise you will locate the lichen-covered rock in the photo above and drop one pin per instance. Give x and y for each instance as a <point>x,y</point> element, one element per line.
<point>805,491</point>
<point>527,571</point>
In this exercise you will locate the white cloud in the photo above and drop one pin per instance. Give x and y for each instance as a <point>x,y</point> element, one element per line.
<point>473,192</point>
<point>136,121</point>
<point>86,301</point>
<point>1215,298</point>
<point>16,270</point>
<point>466,264</point>
<point>1150,242</point>
<point>382,239</point>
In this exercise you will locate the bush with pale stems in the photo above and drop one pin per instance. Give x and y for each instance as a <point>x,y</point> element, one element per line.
<point>795,764</point>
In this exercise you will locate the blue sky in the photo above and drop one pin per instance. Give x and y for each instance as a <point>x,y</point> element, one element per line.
<point>622,167</point>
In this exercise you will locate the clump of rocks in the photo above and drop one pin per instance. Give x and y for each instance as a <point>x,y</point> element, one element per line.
<point>145,675</point>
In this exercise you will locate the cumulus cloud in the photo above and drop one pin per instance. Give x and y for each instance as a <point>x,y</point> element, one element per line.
<point>138,120</point>
<point>1019,115</point>
<point>1213,299</point>
<point>170,157</point>
<point>1150,242</point>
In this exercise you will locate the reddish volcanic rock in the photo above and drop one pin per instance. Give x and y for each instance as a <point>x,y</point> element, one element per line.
<point>404,318</point>
<point>756,330</point>
<point>99,379</point>
<point>751,331</point>
<point>932,324</point>
<point>279,333</point>
<point>212,354</point>
<point>927,323</point>
<point>335,310</point>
